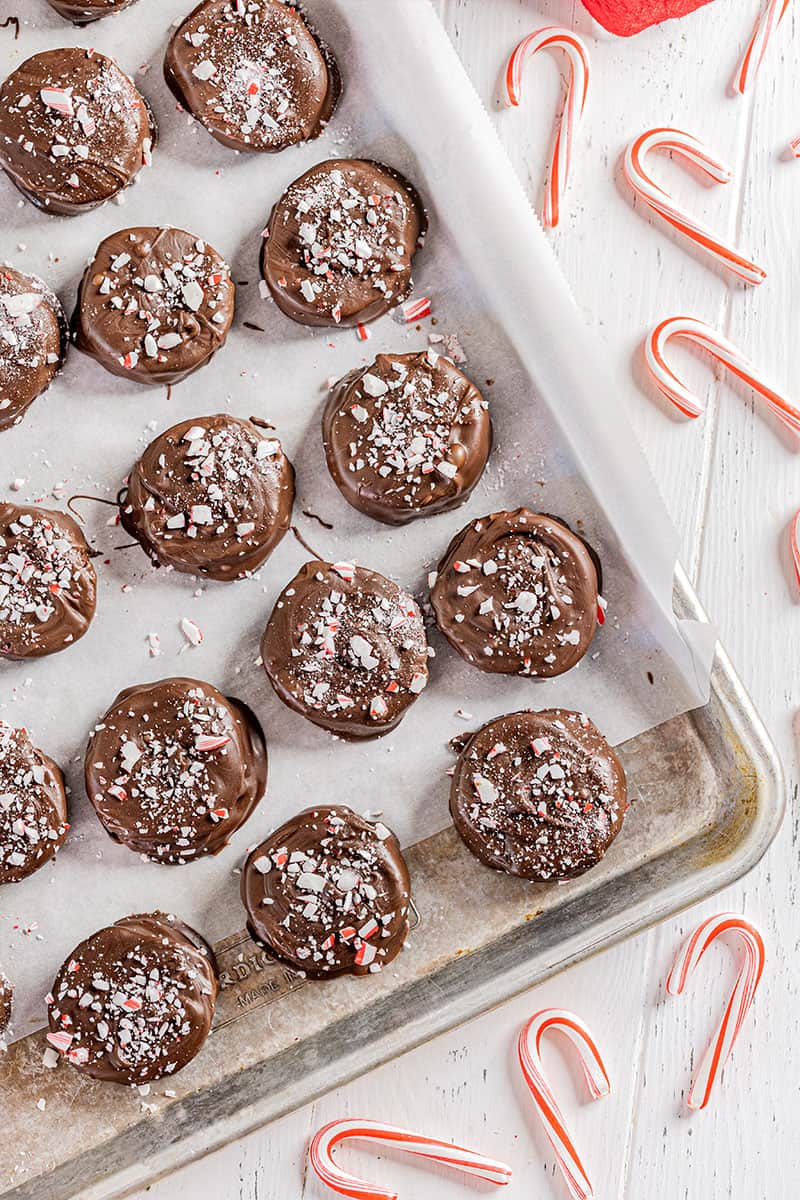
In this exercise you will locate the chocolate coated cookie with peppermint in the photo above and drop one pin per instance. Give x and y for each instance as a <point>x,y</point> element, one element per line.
<point>328,893</point>
<point>346,648</point>
<point>33,806</point>
<point>33,342</point>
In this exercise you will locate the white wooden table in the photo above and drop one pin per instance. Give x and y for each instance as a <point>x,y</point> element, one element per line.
<point>732,482</point>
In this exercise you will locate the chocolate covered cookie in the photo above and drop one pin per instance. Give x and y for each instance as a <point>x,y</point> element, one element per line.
<point>329,893</point>
<point>33,806</point>
<point>345,647</point>
<point>83,12</point>
<point>33,342</point>
<point>48,587</point>
<point>74,130</point>
<point>212,496</point>
<point>174,768</point>
<point>339,243</point>
<point>154,304</point>
<point>538,794</point>
<point>406,437</point>
<point>134,1001</point>
<point>253,73</point>
<point>517,593</point>
<point>6,1000</point>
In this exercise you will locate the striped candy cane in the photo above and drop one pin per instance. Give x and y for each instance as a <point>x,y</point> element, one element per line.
<point>795,147</point>
<point>740,1000</point>
<point>686,146</point>
<point>554,37</point>
<point>767,23</point>
<point>723,351</point>
<point>327,1138</point>
<point>794,544</point>
<point>528,1047</point>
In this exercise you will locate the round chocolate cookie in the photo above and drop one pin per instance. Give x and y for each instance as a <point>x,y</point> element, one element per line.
<point>339,243</point>
<point>175,768</point>
<point>83,12</point>
<point>254,74</point>
<point>48,587</point>
<point>74,131</point>
<point>346,648</point>
<point>538,794</point>
<point>517,593</point>
<point>6,1000</point>
<point>33,342</point>
<point>33,806</point>
<point>212,496</point>
<point>154,304</point>
<point>406,437</point>
<point>134,1001</point>
<point>329,893</point>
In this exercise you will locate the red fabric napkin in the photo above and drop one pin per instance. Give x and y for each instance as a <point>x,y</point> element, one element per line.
<point>626,17</point>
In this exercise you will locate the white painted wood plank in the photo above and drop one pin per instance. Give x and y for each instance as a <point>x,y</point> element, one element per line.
<point>627,273</point>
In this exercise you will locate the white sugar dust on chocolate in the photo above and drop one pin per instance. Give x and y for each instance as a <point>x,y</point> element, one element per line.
<point>517,593</point>
<point>33,806</point>
<point>406,437</point>
<point>74,130</point>
<point>539,794</point>
<point>47,582</point>
<point>154,304</point>
<point>253,72</point>
<point>33,342</point>
<point>134,1002</point>
<point>329,893</point>
<point>346,648</point>
<point>211,496</point>
<point>339,243</point>
<point>175,768</point>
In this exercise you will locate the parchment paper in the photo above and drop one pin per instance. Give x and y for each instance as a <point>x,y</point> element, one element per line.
<point>562,445</point>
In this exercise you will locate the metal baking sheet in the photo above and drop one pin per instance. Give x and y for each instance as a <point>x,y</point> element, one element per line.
<point>678,845</point>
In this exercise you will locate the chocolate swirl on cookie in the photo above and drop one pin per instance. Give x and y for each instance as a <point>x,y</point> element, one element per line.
<point>48,586</point>
<point>154,304</point>
<point>74,130</point>
<point>517,593</point>
<point>346,648</point>
<point>175,768</point>
<point>33,806</point>
<point>253,73</point>
<point>406,437</point>
<point>212,496</point>
<point>134,1001</point>
<point>33,342</point>
<point>339,243</point>
<point>539,794</point>
<point>329,893</point>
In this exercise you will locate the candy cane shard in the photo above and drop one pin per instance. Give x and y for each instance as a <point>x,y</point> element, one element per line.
<point>554,37</point>
<point>688,147</point>
<point>740,1000</point>
<point>767,23</point>
<point>795,147</point>
<point>794,544</point>
<point>327,1138</point>
<point>723,351</point>
<point>594,1071</point>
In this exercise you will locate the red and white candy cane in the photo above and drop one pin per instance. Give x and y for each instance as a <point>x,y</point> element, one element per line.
<point>723,351</point>
<point>795,147</point>
<point>329,1137</point>
<point>554,37</point>
<point>794,545</point>
<point>767,23</point>
<point>686,146</point>
<point>740,1000</point>
<point>528,1047</point>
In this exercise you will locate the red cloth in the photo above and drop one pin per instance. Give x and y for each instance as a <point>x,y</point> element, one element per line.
<point>626,17</point>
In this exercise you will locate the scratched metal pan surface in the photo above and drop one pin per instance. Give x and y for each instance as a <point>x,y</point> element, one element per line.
<point>710,797</point>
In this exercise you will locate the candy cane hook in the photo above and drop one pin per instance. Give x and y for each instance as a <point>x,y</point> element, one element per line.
<point>767,23</point>
<point>740,1000</point>
<point>794,544</point>
<point>327,1138</point>
<point>554,37</point>
<point>594,1071</point>
<point>721,349</point>
<point>692,149</point>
